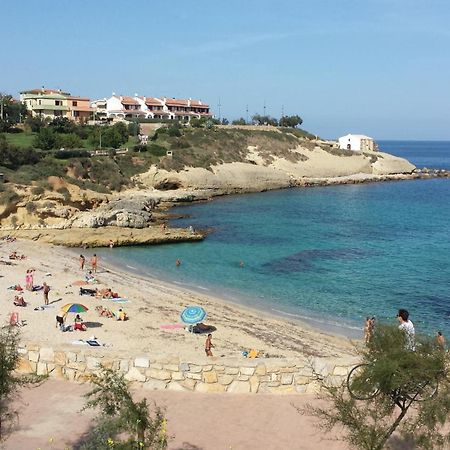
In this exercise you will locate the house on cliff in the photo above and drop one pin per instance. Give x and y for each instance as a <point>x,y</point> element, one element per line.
<point>357,143</point>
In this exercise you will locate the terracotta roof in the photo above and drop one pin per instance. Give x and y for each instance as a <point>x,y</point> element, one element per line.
<point>70,97</point>
<point>45,91</point>
<point>128,101</point>
<point>81,108</point>
<point>153,101</point>
<point>198,104</point>
<point>176,102</point>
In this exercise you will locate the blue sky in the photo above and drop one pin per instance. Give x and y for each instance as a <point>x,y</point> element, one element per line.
<point>378,67</point>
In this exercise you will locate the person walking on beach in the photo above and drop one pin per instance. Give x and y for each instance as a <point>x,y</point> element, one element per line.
<point>94,263</point>
<point>440,340</point>
<point>28,280</point>
<point>209,345</point>
<point>46,290</point>
<point>82,261</point>
<point>407,327</point>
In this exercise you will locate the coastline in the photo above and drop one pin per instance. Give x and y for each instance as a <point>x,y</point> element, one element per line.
<point>153,303</point>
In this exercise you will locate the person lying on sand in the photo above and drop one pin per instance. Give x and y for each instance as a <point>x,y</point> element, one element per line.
<point>19,301</point>
<point>78,324</point>
<point>103,312</point>
<point>15,255</point>
<point>86,291</point>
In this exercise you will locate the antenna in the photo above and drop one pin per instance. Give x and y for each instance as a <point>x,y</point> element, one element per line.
<point>219,105</point>
<point>246,114</point>
<point>282,111</point>
<point>264,108</point>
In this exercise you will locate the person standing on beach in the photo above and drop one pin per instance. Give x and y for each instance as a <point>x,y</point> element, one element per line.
<point>209,345</point>
<point>94,263</point>
<point>407,327</point>
<point>440,340</point>
<point>367,326</point>
<point>46,290</point>
<point>82,261</point>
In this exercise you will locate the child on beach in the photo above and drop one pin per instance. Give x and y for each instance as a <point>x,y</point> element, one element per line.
<point>209,345</point>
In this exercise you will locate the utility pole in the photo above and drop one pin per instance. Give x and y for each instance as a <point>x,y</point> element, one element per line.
<point>264,108</point>
<point>220,116</point>
<point>246,114</point>
<point>282,111</point>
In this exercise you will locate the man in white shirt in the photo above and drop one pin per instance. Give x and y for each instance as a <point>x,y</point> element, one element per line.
<point>407,327</point>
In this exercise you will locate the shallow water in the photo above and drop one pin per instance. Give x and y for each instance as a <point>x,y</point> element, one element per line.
<point>328,255</point>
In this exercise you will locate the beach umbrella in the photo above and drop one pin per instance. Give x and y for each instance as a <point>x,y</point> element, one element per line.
<point>193,315</point>
<point>74,308</point>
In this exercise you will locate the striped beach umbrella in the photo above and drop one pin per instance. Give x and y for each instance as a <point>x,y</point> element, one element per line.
<point>74,308</point>
<point>193,315</point>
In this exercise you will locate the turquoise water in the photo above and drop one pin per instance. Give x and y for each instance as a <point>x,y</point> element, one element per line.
<point>328,255</point>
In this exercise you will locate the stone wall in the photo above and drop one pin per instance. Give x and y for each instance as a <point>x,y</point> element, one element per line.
<point>235,375</point>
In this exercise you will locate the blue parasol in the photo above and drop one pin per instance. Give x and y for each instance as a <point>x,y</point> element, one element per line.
<point>193,315</point>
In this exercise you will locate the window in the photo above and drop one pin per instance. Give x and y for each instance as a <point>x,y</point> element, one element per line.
<point>74,103</point>
<point>58,102</point>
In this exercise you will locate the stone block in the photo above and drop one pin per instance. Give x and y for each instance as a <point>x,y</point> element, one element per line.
<point>219,369</point>
<point>264,378</point>
<point>134,375</point>
<point>341,371</point>
<point>71,356</point>
<point>41,368</point>
<point>286,378</point>
<point>260,369</point>
<point>313,388</point>
<point>156,365</point>
<point>178,376</point>
<point>107,363</point>
<point>254,384</point>
<point>301,389</point>
<point>225,379</point>
<point>175,386</point>
<point>243,377</point>
<point>210,377</point>
<point>33,356</point>
<point>57,373</point>
<point>282,389</point>
<point>247,371</point>
<point>207,368</point>
<point>188,383</point>
<point>273,383</point>
<point>209,387</point>
<point>33,366</point>
<point>287,370</point>
<point>124,365</point>
<point>158,374</point>
<point>50,367</point>
<point>301,380</point>
<point>231,370</point>
<point>305,371</point>
<point>193,376</point>
<point>321,366</point>
<point>22,351</point>
<point>171,367</point>
<point>24,366</point>
<point>155,385</point>
<point>46,354</point>
<point>142,361</point>
<point>60,358</point>
<point>193,368</point>
<point>184,367</point>
<point>92,363</point>
<point>239,387</point>
<point>274,377</point>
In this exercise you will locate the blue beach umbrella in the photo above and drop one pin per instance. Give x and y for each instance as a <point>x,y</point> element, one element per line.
<point>193,315</point>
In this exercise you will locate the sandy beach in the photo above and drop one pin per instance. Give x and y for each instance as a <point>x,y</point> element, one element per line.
<point>151,306</point>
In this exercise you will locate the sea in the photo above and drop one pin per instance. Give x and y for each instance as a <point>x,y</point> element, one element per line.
<point>328,256</point>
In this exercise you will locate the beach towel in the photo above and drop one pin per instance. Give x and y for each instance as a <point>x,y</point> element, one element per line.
<point>172,326</point>
<point>79,283</point>
<point>79,342</point>
<point>119,300</point>
<point>93,343</point>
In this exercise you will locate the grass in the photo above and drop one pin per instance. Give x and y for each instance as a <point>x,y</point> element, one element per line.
<point>24,140</point>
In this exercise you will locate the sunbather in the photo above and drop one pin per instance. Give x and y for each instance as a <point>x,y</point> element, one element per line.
<point>103,312</point>
<point>19,301</point>
<point>121,315</point>
<point>86,291</point>
<point>78,324</point>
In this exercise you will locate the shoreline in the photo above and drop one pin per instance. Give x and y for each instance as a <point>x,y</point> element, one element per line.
<point>313,323</point>
<point>153,303</point>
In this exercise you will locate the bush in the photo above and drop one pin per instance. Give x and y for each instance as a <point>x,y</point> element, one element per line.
<point>45,139</point>
<point>13,157</point>
<point>8,196</point>
<point>62,125</point>
<point>157,150</point>
<point>73,153</point>
<point>174,131</point>
<point>31,207</point>
<point>37,190</point>
<point>65,193</point>
<point>68,141</point>
<point>140,148</point>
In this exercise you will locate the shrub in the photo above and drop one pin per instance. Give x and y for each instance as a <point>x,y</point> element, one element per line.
<point>65,193</point>
<point>68,141</point>
<point>174,131</point>
<point>37,190</point>
<point>140,148</point>
<point>157,150</point>
<point>45,139</point>
<point>8,196</point>
<point>31,207</point>
<point>73,153</point>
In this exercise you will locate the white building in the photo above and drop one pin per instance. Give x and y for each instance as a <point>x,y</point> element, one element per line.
<point>357,143</point>
<point>121,107</point>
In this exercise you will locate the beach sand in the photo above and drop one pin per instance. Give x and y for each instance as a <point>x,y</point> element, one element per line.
<point>151,305</point>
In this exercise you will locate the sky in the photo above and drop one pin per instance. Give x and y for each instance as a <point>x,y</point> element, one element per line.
<point>375,67</point>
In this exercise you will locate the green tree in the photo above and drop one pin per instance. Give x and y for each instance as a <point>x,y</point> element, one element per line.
<point>240,121</point>
<point>264,120</point>
<point>62,125</point>
<point>35,123</point>
<point>394,390</point>
<point>123,422</point>
<point>291,121</point>
<point>68,141</point>
<point>11,112</point>
<point>45,139</point>
<point>14,157</point>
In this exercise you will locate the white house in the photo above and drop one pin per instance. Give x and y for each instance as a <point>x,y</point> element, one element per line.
<point>357,143</point>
